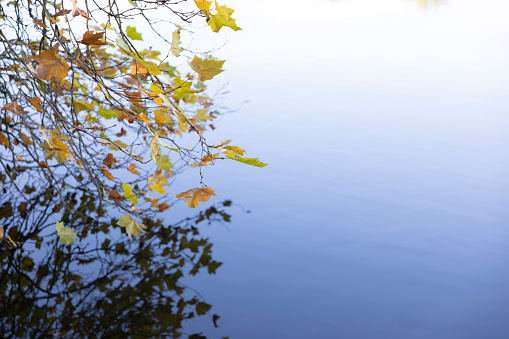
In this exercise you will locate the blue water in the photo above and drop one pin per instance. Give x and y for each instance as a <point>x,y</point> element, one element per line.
<point>384,210</point>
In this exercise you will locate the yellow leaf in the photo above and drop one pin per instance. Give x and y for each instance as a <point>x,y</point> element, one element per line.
<point>144,117</point>
<point>158,188</point>
<point>162,117</point>
<point>128,193</point>
<point>206,68</point>
<point>131,226</point>
<point>222,19</point>
<point>193,196</point>
<point>175,44</point>
<point>203,4</point>
<point>54,147</point>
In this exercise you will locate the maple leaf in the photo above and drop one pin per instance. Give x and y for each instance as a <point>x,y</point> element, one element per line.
<point>50,66</point>
<point>93,38</point>
<point>131,226</point>
<point>66,234</point>
<point>109,160</point>
<point>206,68</point>
<point>163,162</point>
<point>54,146</point>
<point>175,44</point>
<point>193,196</point>
<point>222,19</point>
<point>14,107</point>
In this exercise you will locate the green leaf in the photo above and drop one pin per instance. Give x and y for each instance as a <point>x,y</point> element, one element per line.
<point>128,193</point>
<point>131,226</point>
<point>202,114</point>
<point>107,113</point>
<point>248,161</point>
<point>202,308</point>
<point>66,234</point>
<point>132,34</point>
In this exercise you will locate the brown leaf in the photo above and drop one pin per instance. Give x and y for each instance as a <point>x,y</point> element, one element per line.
<point>50,66</point>
<point>116,196</point>
<point>107,173</point>
<point>36,101</point>
<point>77,12</point>
<point>26,139</point>
<point>121,133</point>
<point>14,107</point>
<point>93,38</point>
<point>61,12</point>
<point>109,160</point>
<point>193,196</point>
<point>131,169</point>
<point>163,207</point>
<point>43,164</point>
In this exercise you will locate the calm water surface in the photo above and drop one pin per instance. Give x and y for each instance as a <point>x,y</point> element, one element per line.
<point>384,210</point>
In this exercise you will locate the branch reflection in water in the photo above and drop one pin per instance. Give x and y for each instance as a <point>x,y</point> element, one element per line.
<point>103,285</point>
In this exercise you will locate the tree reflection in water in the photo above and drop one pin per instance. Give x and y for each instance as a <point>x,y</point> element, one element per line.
<point>103,285</point>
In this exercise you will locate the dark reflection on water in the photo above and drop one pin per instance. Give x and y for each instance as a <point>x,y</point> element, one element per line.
<point>103,285</point>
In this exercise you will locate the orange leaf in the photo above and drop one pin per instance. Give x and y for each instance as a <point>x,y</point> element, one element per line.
<point>36,101</point>
<point>107,173</point>
<point>109,160</point>
<point>153,203</point>
<point>50,66</point>
<point>4,140</point>
<point>93,38</point>
<point>193,196</point>
<point>14,107</point>
<point>1,233</point>
<point>131,169</point>
<point>139,69</point>
<point>43,164</point>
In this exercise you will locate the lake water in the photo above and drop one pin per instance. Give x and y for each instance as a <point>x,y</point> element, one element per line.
<point>384,210</point>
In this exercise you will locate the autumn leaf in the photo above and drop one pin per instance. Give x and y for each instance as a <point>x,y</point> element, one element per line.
<point>193,196</point>
<point>50,66</point>
<point>131,169</point>
<point>36,102</point>
<point>175,44</point>
<point>14,107</point>
<point>53,146</point>
<point>107,173</point>
<point>115,195</point>
<point>109,160</point>
<point>66,234</point>
<point>222,19</point>
<point>4,140</point>
<point>131,226</point>
<point>156,182</point>
<point>202,115</point>
<point>25,139</point>
<point>206,68</point>
<point>77,12</point>
<point>128,193</point>
<point>1,233</point>
<point>248,161</point>
<point>203,4</point>
<point>93,38</point>
<point>132,34</point>
<point>163,207</point>
<point>139,69</point>
<point>163,162</point>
